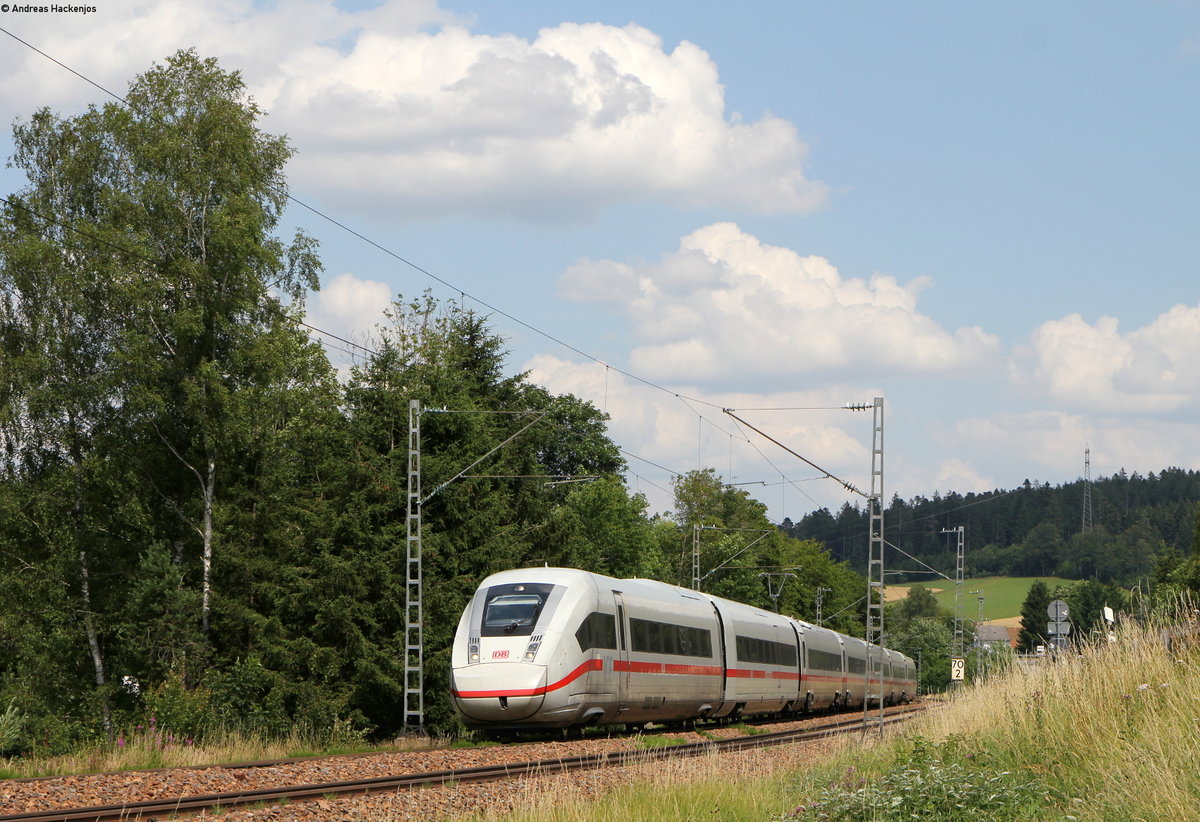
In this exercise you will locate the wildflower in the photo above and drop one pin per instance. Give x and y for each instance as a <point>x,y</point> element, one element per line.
<point>121,740</point>
<point>189,740</point>
<point>1163,685</point>
<point>1145,686</point>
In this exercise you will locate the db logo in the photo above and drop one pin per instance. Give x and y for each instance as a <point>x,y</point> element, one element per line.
<point>499,654</point>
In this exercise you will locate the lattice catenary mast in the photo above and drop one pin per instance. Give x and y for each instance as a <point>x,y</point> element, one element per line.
<point>414,639</point>
<point>875,565</point>
<point>1087,490</point>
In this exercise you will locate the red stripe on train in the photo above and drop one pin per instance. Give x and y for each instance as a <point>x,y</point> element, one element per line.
<point>621,666</point>
<point>677,669</point>
<point>753,673</point>
<point>589,665</point>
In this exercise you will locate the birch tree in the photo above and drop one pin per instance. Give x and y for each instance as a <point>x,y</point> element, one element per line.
<point>146,309</point>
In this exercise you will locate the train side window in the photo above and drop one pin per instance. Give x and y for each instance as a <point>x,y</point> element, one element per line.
<point>639,636</point>
<point>767,651</point>
<point>664,638</point>
<point>826,661</point>
<point>597,631</point>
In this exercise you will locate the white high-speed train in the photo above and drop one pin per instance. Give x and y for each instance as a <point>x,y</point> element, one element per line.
<point>558,647</point>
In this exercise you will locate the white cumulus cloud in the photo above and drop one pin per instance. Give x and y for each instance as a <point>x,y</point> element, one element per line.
<point>1153,369</point>
<point>727,305</point>
<point>402,106</point>
<point>582,115</point>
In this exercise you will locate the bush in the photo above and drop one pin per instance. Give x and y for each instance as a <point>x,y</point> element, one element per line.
<point>932,783</point>
<point>187,712</point>
<point>249,697</point>
<point>12,724</point>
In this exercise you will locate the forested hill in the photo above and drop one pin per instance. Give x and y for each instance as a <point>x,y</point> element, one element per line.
<point>1036,529</point>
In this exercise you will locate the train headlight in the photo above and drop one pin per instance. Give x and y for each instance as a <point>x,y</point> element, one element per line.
<point>532,648</point>
<point>473,650</point>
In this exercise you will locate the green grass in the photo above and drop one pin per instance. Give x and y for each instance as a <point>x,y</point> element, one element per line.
<point>1002,596</point>
<point>335,750</point>
<point>750,730</point>
<point>656,741</point>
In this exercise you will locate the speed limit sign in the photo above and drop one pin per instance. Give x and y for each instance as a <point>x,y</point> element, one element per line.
<point>958,669</point>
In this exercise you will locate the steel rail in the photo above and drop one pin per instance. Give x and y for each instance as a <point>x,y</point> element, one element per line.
<point>148,808</point>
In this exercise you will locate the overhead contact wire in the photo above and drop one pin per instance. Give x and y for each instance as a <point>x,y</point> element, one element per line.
<point>464,295</point>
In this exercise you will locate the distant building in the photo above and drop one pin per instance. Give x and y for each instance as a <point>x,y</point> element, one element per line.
<point>996,635</point>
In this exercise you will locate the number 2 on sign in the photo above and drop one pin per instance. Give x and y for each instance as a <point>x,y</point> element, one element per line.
<point>958,669</point>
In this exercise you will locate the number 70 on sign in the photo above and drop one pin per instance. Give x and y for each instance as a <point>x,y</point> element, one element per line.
<point>958,669</point>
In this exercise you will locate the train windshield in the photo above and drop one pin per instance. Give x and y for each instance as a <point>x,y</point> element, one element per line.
<point>513,610</point>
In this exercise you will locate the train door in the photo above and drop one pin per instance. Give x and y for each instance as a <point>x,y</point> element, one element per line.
<point>804,695</point>
<point>621,663</point>
<point>846,698</point>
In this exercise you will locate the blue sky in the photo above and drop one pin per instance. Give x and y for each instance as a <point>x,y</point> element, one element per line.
<point>986,214</point>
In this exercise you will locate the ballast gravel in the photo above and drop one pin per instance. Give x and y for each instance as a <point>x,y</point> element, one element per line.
<point>430,803</point>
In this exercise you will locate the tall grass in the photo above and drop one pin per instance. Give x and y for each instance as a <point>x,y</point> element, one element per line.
<point>753,785</point>
<point>1115,727</point>
<point>152,747</point>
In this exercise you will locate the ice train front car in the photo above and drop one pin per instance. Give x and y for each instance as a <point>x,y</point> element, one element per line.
<point>511,666</point>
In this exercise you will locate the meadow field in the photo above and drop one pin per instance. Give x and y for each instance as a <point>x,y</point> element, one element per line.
<point>1002,596</point>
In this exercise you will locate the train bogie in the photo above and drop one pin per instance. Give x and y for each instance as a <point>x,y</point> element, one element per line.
<point>557,647</point>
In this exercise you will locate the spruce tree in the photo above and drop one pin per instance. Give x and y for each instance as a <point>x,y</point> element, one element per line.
<point>1033,618</point>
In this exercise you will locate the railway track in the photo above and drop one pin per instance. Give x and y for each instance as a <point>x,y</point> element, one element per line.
<point>146,810</point>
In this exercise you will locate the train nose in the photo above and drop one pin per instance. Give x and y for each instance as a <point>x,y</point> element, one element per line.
<point>499,691</point>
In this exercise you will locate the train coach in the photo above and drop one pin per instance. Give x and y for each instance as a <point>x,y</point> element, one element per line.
<point>559,647</point>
